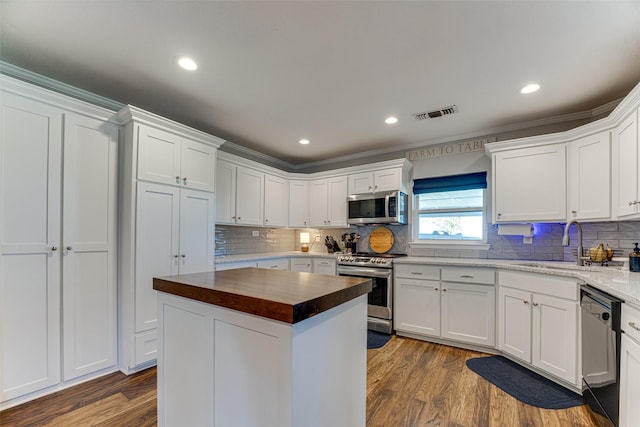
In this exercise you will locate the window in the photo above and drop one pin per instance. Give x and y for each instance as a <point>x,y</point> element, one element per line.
<point>450,208</point>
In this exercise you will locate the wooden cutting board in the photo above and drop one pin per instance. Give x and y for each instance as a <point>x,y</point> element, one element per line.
<point>381,240</point>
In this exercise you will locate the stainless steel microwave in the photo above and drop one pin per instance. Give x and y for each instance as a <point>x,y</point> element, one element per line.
<point>379,208</point>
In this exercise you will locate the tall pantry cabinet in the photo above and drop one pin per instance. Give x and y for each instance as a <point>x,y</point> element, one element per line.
<point>58,213</point>
<point>167,220</point>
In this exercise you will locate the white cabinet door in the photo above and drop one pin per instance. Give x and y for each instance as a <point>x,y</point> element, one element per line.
<point>30,155</point>
<point>298,204</point>
<point>157,247</point>
<point>555,334</point>
<point>417,306</point>
<point>197,231</point>
<point>589,177</point>
<point>361,183</point>
<point>514,323</point>
<point>468,313</point>
<point>276,201</point>
<point>197,166</point>
<point>225,192</point>
<point>625,166</point>
<point>318,194</point>
<point>274,264</point>
<point>88,245</point>
<point>388,180</point>
<point>301,265</point>
<point>629,384</point>
<point>249,196</point>
<point>158,156</point>
<point>530,184</point>
<point>324,266</point>
<point>337,202</point>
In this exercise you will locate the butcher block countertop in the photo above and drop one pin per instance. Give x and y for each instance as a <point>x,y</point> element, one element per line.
<point>286,296</point>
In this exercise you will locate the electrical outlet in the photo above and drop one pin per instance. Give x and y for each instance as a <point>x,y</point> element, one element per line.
<point>255,233</point>
<point>317,237</point>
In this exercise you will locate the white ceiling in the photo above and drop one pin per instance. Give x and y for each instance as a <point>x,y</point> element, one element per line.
<point>271,73</point>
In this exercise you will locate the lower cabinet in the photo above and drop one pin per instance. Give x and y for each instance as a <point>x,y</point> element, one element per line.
<point>324,266</point>
<point>301,265</point>
<point>275,264</point>
<point>630,367</point>
<point>235,265</point>
<point>428,305</point>
<point>538,322</point>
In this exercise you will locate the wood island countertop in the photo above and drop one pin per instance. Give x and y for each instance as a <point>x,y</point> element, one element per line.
<point>273,294</point>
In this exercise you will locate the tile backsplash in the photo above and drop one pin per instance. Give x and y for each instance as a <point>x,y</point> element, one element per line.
<point>546,246</point>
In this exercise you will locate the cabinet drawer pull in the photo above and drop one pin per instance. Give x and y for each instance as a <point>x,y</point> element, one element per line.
<point>633,325</point>
<point>417,273</point>
<point>467,276</point>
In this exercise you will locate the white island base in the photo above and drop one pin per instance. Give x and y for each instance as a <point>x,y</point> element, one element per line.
<point>223,368</point>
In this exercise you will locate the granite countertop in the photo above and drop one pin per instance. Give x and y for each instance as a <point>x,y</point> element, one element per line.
<point>286,296</point>
<point>619,282</point>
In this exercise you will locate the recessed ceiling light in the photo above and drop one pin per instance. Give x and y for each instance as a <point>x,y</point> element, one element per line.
<point>187,63</point>
<point>391,120</point>
<point>530,88</point>
<point>304,141</point>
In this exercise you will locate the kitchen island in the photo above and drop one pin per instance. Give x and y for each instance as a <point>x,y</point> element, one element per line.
<point>257,347</point>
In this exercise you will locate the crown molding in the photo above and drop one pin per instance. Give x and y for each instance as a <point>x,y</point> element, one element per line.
<point>57,86</point>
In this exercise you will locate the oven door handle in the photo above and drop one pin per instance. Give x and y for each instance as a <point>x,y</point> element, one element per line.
<point>365,272</point>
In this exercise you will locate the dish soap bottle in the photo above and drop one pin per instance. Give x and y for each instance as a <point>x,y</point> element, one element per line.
<point>634,259</point>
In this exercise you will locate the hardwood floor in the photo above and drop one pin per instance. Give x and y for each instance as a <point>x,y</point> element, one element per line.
<point>410,383</point>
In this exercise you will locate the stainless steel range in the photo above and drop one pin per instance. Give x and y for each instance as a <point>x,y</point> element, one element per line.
<point>378,268</point>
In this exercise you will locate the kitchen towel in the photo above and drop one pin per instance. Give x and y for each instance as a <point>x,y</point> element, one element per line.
<point>523,384</point>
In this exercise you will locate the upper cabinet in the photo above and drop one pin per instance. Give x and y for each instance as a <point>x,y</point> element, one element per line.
<point>276,201</point>
<point>240,194</point>
<point>167,158</point>
<point>589,177</point>
<point>372,182</point>
<point>529,184</point>
<point>298,203</point>
<point>625,162</point>
<point>328,202</point>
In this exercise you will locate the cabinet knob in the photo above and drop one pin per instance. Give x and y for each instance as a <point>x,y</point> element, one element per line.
<point>69,248</point>
<point>499,214</point>
<point>266,220</point>
<point>535,304</point>
<point>183,255</point>
<point>631,203</point>
<point>444,290</point>
<point>184,180</point>
<point>176,256</point>
<point>574,212</point>
<point>239,218</point>
<point>526,302</point>
<point>633,325</point>
<point>177,180</point>
<point>54,248</point>
<point>369,187</point>
<point>435,289</point>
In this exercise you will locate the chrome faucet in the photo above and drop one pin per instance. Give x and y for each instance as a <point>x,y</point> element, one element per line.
<point>565,239</point>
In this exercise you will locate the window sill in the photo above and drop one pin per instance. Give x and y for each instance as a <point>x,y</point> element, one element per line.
<point>450,245</point>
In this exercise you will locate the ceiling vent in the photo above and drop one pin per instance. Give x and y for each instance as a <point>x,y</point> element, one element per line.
<point>437,113</point>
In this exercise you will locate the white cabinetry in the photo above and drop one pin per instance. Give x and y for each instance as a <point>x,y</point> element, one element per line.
<point>324,266</point>
<point>276,201</point>
<point>589,182</point>
<point>57,241</point>
<point>328,204</point>
<point>165,230</point>
<point>529,184</point>
<point>630,367</point>
<point>301,264</point>
<point>450,303</point>
<point>468,305</point>
<point>417,299</point>
<point>372,182</point>
<point>298,204</point>
<point>275,264</point>
<point>538,322</point>
<point>625,161</point>
<point>235,265</point>
<point>240,194</point>
<point>172,159</point>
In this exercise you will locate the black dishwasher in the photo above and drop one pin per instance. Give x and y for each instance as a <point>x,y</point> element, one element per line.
<point>601,351</point>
